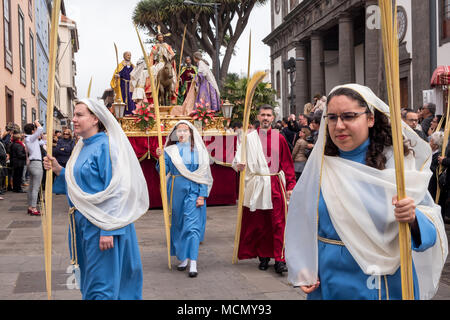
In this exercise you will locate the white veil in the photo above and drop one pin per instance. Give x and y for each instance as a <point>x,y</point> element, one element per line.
<point>203,173</point>
<point>358,199</point>
<point>126,197</point>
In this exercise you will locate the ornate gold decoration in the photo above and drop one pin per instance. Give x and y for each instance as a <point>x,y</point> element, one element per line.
<point>214,128</point>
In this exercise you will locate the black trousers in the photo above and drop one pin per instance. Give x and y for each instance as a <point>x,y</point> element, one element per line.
<point>17,178</point>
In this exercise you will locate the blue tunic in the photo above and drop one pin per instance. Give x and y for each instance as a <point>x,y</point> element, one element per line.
<point>188,220</point>
<point>340,276</point>
<point>111,274</point>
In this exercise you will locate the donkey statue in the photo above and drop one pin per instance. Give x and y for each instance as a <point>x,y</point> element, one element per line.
<point>166,79</point>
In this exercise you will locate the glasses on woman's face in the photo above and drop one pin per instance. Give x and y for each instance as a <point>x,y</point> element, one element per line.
<point>346,117</point>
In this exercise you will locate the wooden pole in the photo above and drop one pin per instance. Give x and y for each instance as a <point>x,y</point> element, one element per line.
<point>89,88</point>
<point>162,163</point>
<point>181,58</point>
<point>249,55</point>
<point>47,213</point>
<point>118,79</point>
<point>251,87</point>
<point>391,57</point>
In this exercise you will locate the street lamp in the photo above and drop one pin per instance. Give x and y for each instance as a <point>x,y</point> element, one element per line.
<point>216,18</point>
<point>227,109</point>
<point>289,65</point>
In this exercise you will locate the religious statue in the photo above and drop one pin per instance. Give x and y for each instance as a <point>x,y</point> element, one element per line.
<point>121,83</point>
<point>163,70</point>
<point>138,78</point>
<point>205,91</point>
<point>187,75</point>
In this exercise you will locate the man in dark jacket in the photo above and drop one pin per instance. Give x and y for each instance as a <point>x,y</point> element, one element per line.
<point>412,119</point>
<point>64,148</point>
<point>287,133</point>
<point>428,112</point>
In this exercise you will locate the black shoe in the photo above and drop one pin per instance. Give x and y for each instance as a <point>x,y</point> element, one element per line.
<point>264,263</point>
<point>193,274</point>
<point>280,267</point>
<point>181,268</point>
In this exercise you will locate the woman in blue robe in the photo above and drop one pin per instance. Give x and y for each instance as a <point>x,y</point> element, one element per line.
<point>109,260</point>
<point>188,187</point>
<point>342,226</point>
<point>348,281</point>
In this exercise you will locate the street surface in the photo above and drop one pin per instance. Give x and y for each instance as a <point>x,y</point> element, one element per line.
<point>22,262</point>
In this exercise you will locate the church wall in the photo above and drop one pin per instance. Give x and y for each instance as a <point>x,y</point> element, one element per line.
<point>331,69</point>
<point>359,64</point>
<point>278,69</point>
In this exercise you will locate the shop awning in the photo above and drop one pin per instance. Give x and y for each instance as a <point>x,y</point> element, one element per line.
<point>441,76</point>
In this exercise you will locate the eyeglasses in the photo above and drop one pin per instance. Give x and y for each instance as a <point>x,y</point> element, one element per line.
<point>66,134</point>
<point>346,117</point>
<point>413,120</point>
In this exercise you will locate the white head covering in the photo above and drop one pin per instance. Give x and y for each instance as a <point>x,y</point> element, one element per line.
<point>203,173</point>
<point>358,199</point>
<point>126,197</point>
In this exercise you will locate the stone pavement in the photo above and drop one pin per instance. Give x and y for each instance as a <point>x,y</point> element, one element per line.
<point>22,263</point>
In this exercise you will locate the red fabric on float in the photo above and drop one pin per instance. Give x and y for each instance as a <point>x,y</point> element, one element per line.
<point>441,76</point>
<point>221,148</point>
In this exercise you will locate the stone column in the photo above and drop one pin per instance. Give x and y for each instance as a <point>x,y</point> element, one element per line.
<point>317,65</point>
<point>373,55</point>
<point>301,78</point>
<point>346,49</point>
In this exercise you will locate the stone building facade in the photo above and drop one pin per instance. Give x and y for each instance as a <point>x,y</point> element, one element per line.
<point>69,45</point>
<point>18,84</point>
<point>339,41</point>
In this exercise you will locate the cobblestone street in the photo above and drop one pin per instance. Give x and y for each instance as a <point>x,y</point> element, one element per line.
<point>22,264</point>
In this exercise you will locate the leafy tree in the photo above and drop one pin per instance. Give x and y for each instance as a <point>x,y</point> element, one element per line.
<point>234,90</point>
<point>173,15</point>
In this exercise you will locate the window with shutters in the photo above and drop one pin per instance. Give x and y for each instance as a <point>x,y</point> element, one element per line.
<point>444,21</point>
<point>23,73</point>
<point>32,64</point>
<point>278,84</point>
<point>7,43</point>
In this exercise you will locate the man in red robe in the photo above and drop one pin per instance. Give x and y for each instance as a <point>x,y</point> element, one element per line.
<point>268,165</point>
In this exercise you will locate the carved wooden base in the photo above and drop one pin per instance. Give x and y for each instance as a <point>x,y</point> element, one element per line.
<point>215,128</point>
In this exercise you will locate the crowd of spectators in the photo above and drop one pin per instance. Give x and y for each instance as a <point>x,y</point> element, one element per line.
<point>21,153</point>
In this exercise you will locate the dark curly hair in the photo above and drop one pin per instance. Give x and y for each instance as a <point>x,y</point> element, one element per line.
<point>380,134</point>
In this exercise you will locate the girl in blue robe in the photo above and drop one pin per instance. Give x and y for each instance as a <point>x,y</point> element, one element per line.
<point>104,204</point>
<point>188,214</point>
<point>342,235</point>
<point>347,281</point>
<point>116,273</point>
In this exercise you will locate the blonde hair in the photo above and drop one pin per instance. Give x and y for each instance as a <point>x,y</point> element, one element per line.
<point>308,107</point>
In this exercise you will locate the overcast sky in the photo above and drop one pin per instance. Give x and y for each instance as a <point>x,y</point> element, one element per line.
<point>101,23</point>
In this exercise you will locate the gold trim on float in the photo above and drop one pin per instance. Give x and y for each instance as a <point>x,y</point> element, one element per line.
<point>214,128</point>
